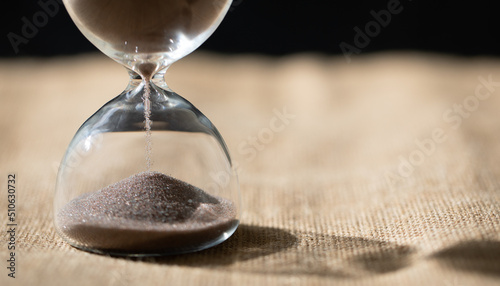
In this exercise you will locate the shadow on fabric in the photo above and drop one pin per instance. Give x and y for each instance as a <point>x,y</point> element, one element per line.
<point>248,242</point>
<point>477,256</point>
<point>275,251</point>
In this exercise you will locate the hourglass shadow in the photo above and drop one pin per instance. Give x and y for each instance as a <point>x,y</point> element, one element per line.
<point>475,256</point>
<point>278,252</point>
<point>345,257</point>
<point>248,242</point>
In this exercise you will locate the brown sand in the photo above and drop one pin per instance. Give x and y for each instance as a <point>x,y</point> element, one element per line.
<point>146,213</point>
<point>148,123</point>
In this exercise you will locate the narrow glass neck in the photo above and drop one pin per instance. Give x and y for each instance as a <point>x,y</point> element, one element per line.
<point>156,86</point>
<point>158,78</point>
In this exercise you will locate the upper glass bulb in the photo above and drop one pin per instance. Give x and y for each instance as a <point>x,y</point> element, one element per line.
<point>157,32</point>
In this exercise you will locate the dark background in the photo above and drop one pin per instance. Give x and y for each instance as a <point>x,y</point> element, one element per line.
<point>283,27</point>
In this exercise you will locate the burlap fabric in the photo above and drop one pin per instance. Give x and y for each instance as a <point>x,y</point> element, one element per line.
<point>382,171</point>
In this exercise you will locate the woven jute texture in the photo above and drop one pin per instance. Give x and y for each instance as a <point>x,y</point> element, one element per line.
<point>381,171</point>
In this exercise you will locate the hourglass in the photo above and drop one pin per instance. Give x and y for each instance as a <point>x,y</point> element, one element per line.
<point>148,173</point>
